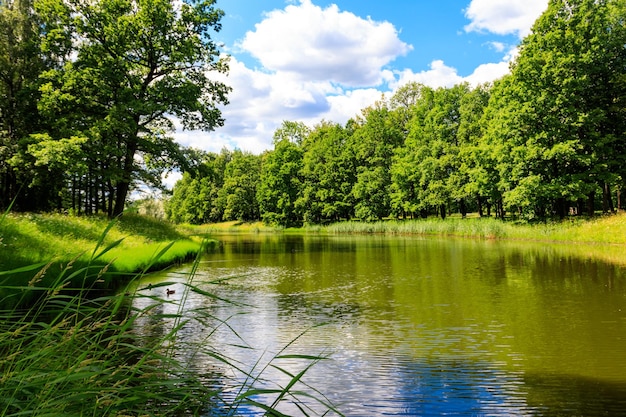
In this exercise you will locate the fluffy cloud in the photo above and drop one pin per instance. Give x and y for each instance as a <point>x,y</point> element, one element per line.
<point>504,17</point>
<point>326,64</point>
<point>261,101</point>
<point>311,43</point>
<point>441,75</point>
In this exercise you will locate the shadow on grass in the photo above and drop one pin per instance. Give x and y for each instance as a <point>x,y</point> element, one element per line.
<point>149,228</point>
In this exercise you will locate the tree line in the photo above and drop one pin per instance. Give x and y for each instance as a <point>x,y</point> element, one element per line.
<point>548,139</point>
<point>89,90</point>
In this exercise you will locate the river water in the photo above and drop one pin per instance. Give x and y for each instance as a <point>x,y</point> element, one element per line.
<point>410,326</point>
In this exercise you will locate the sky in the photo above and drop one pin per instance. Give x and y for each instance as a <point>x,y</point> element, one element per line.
<point>314,60</point>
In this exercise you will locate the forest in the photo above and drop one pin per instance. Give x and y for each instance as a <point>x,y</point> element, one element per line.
<point>90,91</point>
<point>82,123</point>
<point>547,140</point>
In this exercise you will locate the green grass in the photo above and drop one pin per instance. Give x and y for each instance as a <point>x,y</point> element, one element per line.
<point>72,354</point>
<point>601,230</point>
<point>134,244</point>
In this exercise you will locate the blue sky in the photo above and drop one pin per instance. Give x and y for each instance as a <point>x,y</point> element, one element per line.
<point>313,60</point>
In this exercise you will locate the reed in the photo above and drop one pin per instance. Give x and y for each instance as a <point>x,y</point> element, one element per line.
<point>610,229</point>
<point>73,354</point>
<point>481,228</point>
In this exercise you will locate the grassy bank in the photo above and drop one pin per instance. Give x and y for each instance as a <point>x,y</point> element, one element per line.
<point>40,246</point>
<point>602,230</point>
<point>609,229</point>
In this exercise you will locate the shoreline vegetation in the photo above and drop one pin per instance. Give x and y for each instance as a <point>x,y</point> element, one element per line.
<point>141,244</point>
<point>604,229</point>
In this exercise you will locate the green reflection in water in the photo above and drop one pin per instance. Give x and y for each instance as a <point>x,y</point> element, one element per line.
<point>532,307</point>
<point>552,317</point>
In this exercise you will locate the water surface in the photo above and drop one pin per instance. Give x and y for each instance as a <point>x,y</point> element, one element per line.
<point>419,326</point>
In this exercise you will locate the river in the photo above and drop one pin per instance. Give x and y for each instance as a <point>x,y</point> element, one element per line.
<point>410,326</point>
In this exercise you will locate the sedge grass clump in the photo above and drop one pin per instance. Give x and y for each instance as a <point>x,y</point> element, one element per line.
<point>482,228</point>
<point>74,354</point>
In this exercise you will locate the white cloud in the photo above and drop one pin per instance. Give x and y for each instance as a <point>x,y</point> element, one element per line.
<point>488,72</point>
<point>439,75</point>
<point>311,43</point>
<point>497,46</point>
<point>323,64</point>
<point>504,17</point>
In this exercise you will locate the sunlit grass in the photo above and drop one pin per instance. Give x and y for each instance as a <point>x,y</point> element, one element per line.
<point>230,227</point>
<point>604,229</point>
<point>31,238</point>
<point>135,245</point>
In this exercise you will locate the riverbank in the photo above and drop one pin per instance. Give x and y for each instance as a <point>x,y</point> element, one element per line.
<point>112,353</point>
<point>41,247</point>
<point>609,229</point>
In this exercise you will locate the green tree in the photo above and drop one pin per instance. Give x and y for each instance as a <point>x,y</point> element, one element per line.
<point>374,140</point>
<point>412,103</point>
<point>430,159</point>
<point>138,64</point>
<point>195,197</point>
<point>328,173</point>
<point>474,177</point>
<point>20,66</point>
<point>281,179</point>
<point>237,197</point>
<point>568,93</point>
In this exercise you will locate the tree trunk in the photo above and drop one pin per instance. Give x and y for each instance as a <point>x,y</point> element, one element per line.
<point>607,201</point>
<point>443,211</point>
<point>479,200</point>
<point>591,207</point>
<point>463,208</point>
<point>123,185</point>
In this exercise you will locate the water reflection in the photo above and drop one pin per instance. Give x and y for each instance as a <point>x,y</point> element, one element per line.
<point>418,326</point>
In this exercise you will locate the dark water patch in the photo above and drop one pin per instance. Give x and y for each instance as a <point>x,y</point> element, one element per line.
<point>573,395</point>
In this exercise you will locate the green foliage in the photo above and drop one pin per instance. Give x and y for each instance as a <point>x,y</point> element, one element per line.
<point>116,73</point>
<point>563,88</point>
<point>374,140</point>
<point>237,196</point>
<point>280,183</point>
<point>328,172</point>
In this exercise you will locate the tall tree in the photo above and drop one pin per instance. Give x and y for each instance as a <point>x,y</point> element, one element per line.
<point>374,141</point>
<point>413,103</point>
<point>569,89</point>
<point>281,178</point>
<point>237,197</point>
<point>195,197</point>
<point>138,64</point>
<point>20,66</point>
<point>328,173</point>
<point>474,176</point>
